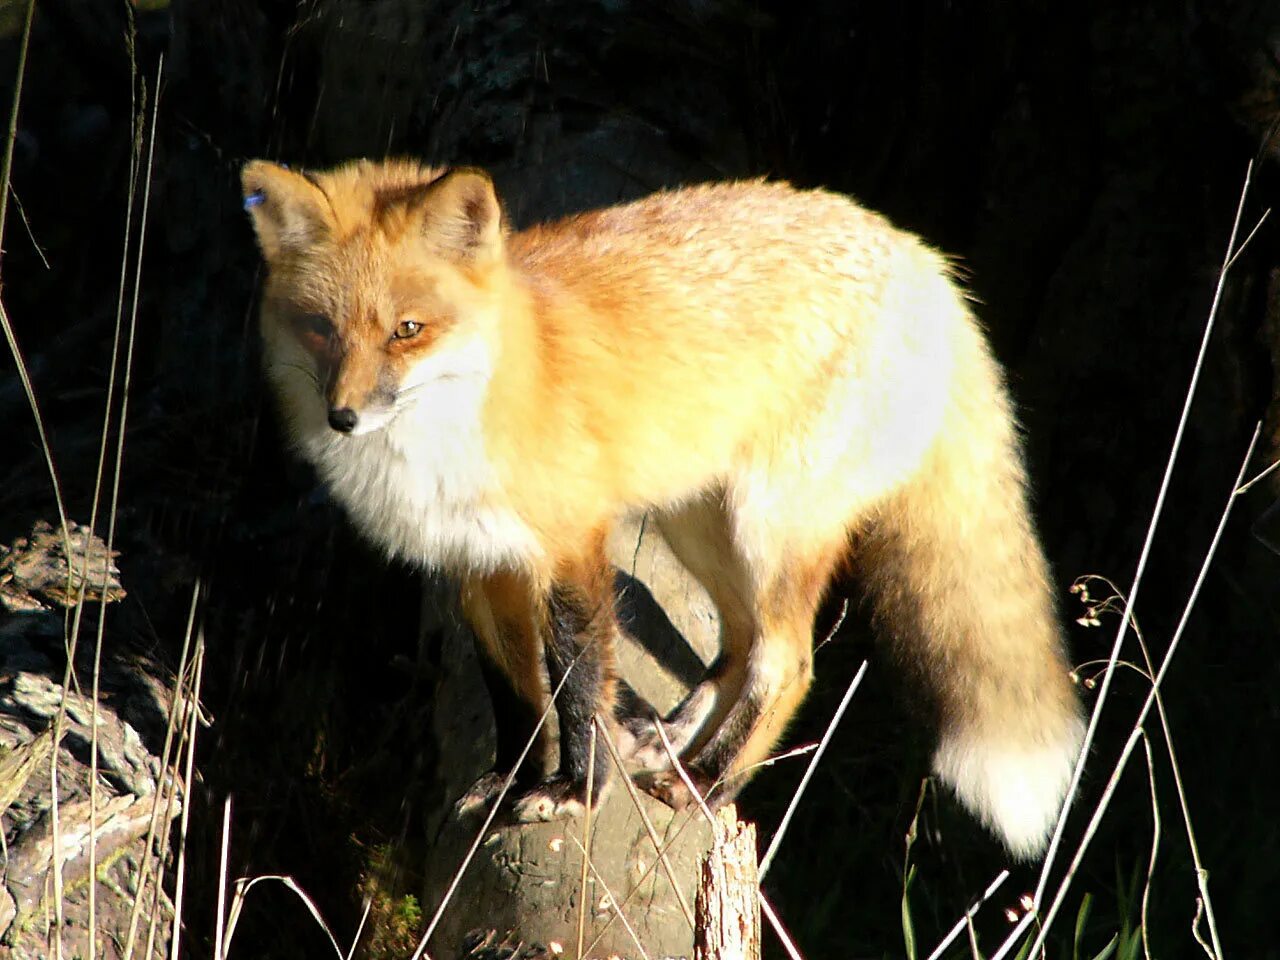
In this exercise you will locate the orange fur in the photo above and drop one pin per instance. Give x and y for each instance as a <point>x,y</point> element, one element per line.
<point>774,373</point>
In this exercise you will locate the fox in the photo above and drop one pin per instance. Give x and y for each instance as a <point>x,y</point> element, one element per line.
<point>788,385</point>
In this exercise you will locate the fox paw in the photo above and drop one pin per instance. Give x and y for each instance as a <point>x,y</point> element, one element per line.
<point>558,798</point>
<point>480,795</point>
<point>671,789</point>
<point>635,725</point>
<point>640,745</point>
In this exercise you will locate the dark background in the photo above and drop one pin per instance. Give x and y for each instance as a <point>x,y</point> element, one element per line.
<point>1083,161</point>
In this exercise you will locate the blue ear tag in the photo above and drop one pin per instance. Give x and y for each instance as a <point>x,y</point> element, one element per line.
<point>254,199</point>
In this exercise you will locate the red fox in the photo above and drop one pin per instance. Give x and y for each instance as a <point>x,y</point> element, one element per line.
<point>781,379</point>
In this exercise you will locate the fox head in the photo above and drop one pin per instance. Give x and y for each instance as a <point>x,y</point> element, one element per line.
<point>382,280</point>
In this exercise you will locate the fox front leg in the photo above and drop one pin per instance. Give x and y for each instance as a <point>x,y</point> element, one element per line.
<point>580,624</point>
<point>500,609</point>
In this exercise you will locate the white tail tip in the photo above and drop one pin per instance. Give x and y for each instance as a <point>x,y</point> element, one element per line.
<point>1015,790</point>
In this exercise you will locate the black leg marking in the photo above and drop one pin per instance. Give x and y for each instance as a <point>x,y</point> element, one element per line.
<point>708,769</point>
<point>579,657</point>
<point>686,726</point>
<point>627,704</point>
<point>717,756</point>
<point>515,719</point>
<point>635,723</point>
<point>578,648</point>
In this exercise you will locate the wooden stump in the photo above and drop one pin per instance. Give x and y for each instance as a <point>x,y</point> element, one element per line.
<point>728,905</point>
<point>525,883</point>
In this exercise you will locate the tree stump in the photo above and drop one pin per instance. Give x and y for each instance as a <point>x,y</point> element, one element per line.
<point>525,883</point>
<point>727,916</point>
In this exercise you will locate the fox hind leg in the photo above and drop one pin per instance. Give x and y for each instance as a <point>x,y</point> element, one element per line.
<point>698,533</point>
<point>777,678</point>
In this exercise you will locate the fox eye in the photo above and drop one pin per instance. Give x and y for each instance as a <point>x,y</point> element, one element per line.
<point>407,329</point>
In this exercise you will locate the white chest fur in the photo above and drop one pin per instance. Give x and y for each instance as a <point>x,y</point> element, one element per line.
<point>422,487</point>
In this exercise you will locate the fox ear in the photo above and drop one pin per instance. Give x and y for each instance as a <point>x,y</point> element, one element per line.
<point>288,210</point>
<point>462,216</point>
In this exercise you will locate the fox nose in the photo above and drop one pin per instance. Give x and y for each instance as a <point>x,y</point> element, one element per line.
<point>343,419</point>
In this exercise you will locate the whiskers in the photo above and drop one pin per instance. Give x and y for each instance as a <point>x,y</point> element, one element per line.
<point>438,397</point>
<point>410,396</point>
<point>445,394</point>
<point>306,371</point>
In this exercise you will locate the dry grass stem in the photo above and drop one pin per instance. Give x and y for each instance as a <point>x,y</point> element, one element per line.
<point>659,849</point>
<point>583,896</point>
<point>967,920</point>
<point>245,884</point>
<point>1138,727</point>
<point>1122,629</point>
<point>187,779</point>
<point>614,904</point>
<point>779,929</point>
<point>1156,513</point>
<point>770,914</point>
<point>1205,902</point>
<point>220,937</point>
<point>171,733</point>
<point>767,860</point>
<point>1155,845</point>
<point>113,511</point>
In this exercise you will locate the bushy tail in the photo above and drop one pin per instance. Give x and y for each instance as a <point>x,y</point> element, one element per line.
<point>958,578</point>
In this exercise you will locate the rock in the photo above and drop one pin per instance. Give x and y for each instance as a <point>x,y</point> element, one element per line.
<point>114,820</point>
<point>37,573</point>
